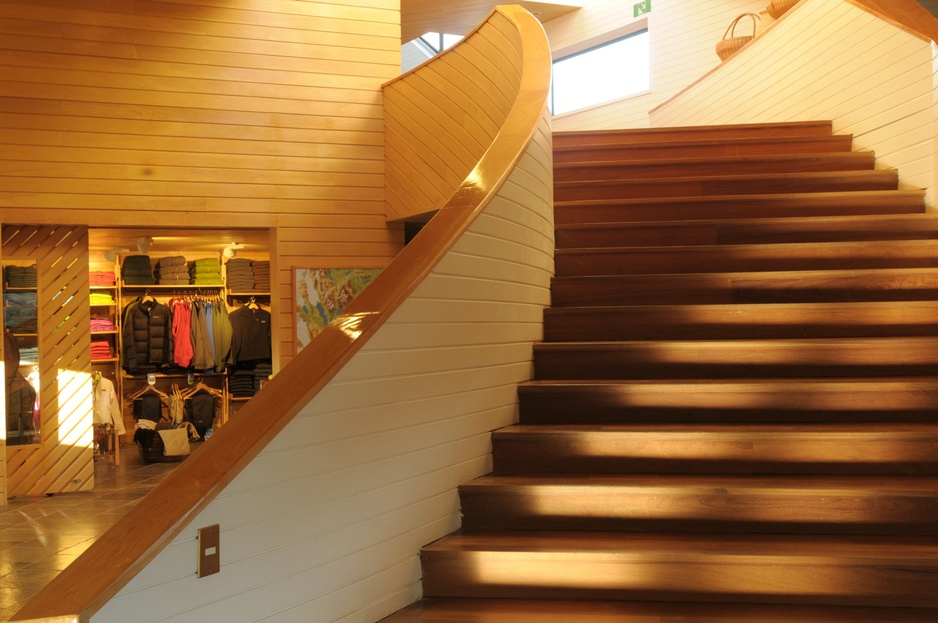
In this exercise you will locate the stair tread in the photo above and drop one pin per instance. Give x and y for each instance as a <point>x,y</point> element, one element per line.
<point>572,484</point>
<point>857,156</point>
<point>926,343</point>
<point>438,610</point>
<point>804,198</point>
<point>781,547</point>
<point>642,168</point>
<point>715,142</point>
<point>767,222</point>
<point>791,128</point>
<point>879,246</point>
<point>907,430</point>
<point>763,274</point>
<point>795,176</point>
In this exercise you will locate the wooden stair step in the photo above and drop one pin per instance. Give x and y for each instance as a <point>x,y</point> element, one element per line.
<point>584,611</point>
<point>742,257</point>
<point>864,504</point>
<point>791,358</point>
<point>713,166</point>
<point>790,204</point>
<point>756,146</point>
<point>768,183</point>
<point>857,449</point>
<point>762,321</point>
<point>748,231</point>
<point>793,569</point>
<point>750,401</point>
<point>685,133</point>
<point>902,284</point>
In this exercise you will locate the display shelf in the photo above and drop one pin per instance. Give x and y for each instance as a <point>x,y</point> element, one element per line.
<point>170,288</point>
<point>108,360</point>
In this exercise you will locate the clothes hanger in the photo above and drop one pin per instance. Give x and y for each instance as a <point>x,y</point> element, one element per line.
<point>145,389</point>
<point>200,386</point>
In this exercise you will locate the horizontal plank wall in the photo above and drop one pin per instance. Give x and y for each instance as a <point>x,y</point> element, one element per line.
<point>202,113</point>
<point>873,79</point>
<point>326,523</point>
<point>63,460</point>
<point>444,135</point>
<point>683,37</point>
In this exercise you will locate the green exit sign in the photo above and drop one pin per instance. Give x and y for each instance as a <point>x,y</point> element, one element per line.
<point>641,8</point>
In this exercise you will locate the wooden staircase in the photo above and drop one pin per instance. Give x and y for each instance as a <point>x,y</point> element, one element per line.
<point>734,415</point>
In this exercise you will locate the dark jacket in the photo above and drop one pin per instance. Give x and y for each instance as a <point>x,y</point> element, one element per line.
<point>147,336</point>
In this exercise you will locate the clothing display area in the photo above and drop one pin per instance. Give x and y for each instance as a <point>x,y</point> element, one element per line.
<point>173,340</point>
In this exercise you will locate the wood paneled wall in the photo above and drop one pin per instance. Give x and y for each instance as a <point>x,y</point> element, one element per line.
<point>422,128</point>
<point>202,113</point>
<point>63,460</point>
<point>683,35</point>
<point>326,522</point>
<point>872,78</point>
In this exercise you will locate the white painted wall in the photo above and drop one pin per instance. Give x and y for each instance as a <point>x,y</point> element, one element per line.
<point>829,60</point>
<point>326,524</point>
<point>413,54</point>
<point>683,34</point>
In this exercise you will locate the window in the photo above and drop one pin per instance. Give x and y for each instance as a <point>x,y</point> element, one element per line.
<point>438,41</point>
<point>604,73</point>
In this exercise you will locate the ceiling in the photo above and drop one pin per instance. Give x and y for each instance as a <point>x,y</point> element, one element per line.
<point>458,17</point>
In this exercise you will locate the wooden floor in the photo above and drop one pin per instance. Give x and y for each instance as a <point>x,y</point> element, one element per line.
<point>41,535</point>
<point>734,415</point>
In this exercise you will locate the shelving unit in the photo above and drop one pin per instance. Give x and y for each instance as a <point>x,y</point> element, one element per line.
<point>108,367</point>
<point>124,293</point>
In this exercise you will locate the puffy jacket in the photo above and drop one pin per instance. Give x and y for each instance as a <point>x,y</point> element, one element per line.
<point>147,336</point>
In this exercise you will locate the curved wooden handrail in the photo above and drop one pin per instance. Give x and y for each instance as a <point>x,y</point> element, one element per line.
<point>908,14</point>
<point>121,553</point>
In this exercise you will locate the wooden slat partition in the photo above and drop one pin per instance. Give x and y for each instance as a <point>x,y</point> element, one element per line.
<point>505,205</point>
<point>63,459</point>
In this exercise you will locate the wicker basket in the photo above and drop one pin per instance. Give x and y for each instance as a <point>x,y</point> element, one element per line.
<point>730,43</point>
<point>777,8</point>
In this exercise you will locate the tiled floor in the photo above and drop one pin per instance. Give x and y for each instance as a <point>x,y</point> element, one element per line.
<point>40,536</point>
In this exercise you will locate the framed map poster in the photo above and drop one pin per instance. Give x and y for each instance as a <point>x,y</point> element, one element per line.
<point>320,294</point>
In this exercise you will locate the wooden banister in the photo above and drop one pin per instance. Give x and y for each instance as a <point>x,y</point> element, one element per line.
<point>105,567</point>
<point>908,14</point>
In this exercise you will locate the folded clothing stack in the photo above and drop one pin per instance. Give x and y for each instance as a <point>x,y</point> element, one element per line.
<point>172,271</point>
<point>261,275</point>
<point>137,271</point>
<point>102,324</point>
<point>101,278</point>
<point>239,275</point>
<point>241,383</point>
<point>262,372</point>
<point>19,312</point>
<point>21,276</point>
<point>101,298</point>
<point>205,271</point>
<point>100,349</point>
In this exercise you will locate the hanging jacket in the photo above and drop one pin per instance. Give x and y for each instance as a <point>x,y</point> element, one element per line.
<point>250,334</point>
<point>221,334</point>
<point>147,336</point>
